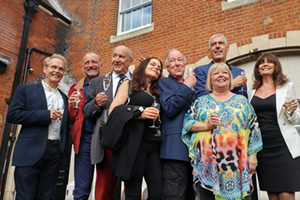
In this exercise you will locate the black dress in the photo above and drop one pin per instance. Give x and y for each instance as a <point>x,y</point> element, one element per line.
<point>277,171</point>
<point>148,163</point>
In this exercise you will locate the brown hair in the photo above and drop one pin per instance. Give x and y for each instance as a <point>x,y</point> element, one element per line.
<point>279,78</point>
<point>139,79</point>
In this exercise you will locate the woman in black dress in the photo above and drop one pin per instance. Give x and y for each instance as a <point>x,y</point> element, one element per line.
<point>143,93</point>
<point>276,107</point>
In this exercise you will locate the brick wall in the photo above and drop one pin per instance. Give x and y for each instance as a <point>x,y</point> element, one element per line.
<point>182,24</point>
<point>45,34</point>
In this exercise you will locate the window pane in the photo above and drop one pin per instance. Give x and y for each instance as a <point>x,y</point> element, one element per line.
<point>125,4</point>
<point>137,18</point>
<point>147,14</point>
<point>136,2</point>
<point>126,23</point>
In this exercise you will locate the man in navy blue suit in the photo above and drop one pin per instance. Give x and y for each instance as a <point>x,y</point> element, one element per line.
<point>218,49</point>
<point>176,95</point>
<point>42,111</point>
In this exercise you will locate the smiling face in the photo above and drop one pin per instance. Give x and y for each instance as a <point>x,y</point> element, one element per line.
<point>266,68</point>
<point>219,78</point>
<point>54,72</point>
<point>176,65</point>
<point>91,65</point>
<point>153,69</point>
<point>218,49</point>
<point>121,59</point>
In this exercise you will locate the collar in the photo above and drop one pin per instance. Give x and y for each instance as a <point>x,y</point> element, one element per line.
<point>48,87</point>
<point>127,74</point>
<point>80,83</point>
<point>212,62</point>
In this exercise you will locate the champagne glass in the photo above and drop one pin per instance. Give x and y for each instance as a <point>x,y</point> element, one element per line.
<point>106,81</point>
<point>59,105</point>
<point>218,112</point>
<point>288,104</point>
<point>190,71</point>
<point>243,73</point>
<point>77,98</point>
<point>157,106</point>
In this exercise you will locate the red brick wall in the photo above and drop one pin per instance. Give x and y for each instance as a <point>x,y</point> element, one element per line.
<point>182,24</point>
<point>45,34</point>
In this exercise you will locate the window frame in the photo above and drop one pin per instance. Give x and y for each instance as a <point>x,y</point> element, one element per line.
<point>121,12</point>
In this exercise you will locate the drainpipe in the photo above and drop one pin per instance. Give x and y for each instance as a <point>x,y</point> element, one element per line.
<point>31,8</point>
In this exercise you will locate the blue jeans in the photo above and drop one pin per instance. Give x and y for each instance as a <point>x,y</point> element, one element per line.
<point>83,170</point>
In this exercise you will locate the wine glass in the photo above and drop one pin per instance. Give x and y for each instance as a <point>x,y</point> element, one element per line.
<point>190,71</point>
<point>243,73</point>
<point>77,98</point>
<point>157,106</point>
<point>106,81</point>
<point>288,104</point>
<point>218,112</point>
<point>59,105</point>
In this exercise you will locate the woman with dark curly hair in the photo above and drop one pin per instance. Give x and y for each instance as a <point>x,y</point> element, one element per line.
<point>275,104</point>
<point>147,162</point>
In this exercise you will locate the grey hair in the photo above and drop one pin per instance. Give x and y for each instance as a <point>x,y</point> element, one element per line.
<point>166,59</point>
<point>94,54</point>
<point>217,35</point>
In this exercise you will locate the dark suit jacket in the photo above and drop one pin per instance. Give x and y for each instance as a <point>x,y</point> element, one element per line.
<point>201,74</point>
<point>175,99</point>
<point>93,112</point>
<point>29,108</point>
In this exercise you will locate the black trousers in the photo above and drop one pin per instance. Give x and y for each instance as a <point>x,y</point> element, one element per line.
<point>148,166</point>
<point>38,181</point>
<point>177,180</point>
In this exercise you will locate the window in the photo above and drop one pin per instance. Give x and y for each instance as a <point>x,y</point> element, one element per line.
<point>134,14</point>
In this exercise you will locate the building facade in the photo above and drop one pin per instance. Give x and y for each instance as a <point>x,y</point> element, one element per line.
<point>148,27</point>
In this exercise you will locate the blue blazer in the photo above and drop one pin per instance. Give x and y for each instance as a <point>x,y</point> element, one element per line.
<point>175,99</point>
<point>201,75</point>
<point>29,108</point>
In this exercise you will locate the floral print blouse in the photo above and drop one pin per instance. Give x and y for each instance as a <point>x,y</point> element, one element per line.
<point>220,156</point>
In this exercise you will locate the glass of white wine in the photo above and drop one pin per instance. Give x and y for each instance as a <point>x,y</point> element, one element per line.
<point>288,104</point>
<point>106,81</point>
<point>218,112</point>
<point>77,98</point>
<point>243,73</point>
<point>59,105</point>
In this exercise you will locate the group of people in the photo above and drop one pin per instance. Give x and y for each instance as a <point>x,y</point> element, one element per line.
<point>189,137</point>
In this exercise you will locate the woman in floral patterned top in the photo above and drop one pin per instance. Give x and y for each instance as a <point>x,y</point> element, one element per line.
<point>223,138</point>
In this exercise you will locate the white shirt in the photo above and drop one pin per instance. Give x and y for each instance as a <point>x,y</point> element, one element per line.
<point>54,101</point>
<point>116,78</point>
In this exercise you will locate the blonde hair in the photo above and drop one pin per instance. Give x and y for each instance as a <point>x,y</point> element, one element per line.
<point>211,69</point>
<point>59,56</point>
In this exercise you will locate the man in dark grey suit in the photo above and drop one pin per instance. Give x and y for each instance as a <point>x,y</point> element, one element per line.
<point>97,103</point>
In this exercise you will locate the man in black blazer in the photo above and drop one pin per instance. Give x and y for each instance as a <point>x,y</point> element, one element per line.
<point>97,102</point>
<point>42,111</point>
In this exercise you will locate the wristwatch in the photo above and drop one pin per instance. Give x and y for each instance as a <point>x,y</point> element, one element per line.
<point>141,109</point>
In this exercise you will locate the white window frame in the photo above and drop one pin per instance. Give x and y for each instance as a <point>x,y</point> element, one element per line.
<point>120,17</point>
<point>229,4</point>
